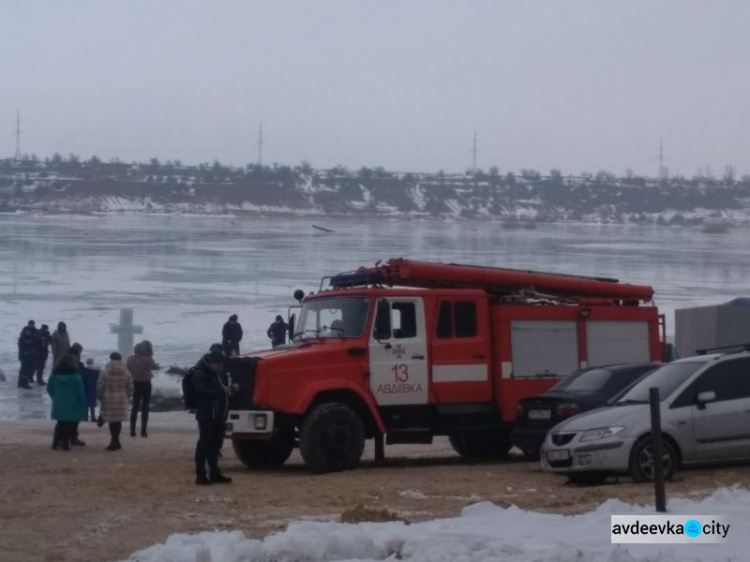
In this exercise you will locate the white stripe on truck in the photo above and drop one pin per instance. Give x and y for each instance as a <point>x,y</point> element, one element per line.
<point>459,373</point>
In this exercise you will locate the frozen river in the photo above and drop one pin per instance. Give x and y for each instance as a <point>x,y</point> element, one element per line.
<point>184,276</point>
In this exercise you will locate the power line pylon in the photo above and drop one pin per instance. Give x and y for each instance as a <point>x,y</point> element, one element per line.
<point>18,136</point>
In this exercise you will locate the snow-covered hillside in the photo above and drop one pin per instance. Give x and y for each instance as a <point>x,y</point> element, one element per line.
<point>74,187</point>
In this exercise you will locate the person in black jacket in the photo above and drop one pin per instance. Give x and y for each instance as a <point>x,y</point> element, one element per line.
<point>277,331</point>
<point>212,391</point>
<point>42,353</point>
<point>27,343</point>
<point>231,334</point>
<point>75,350</point>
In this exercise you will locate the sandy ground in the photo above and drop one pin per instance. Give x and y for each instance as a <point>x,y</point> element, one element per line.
<point>92,505</point>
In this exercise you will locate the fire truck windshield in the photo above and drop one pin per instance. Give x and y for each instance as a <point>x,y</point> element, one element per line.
<point>339,317</point>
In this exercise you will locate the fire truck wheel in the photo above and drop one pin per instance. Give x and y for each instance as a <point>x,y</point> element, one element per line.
<point>265,454</point>
<point>481,446</point>
<point>332,438</point>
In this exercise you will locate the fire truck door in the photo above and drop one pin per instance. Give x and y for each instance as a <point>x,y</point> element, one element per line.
<point>398,352</point>
<point>461,351</point>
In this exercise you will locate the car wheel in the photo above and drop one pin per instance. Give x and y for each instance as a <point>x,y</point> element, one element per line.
<point>531,454</point>
<point>642,459</point>
<point>587,478</point>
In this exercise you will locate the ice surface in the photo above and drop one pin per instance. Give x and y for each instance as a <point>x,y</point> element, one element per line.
<point>184,275</point>
<point>483,533</point>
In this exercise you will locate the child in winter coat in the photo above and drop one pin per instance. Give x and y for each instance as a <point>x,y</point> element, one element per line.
<point>65,387</point>
<point>90,380</point>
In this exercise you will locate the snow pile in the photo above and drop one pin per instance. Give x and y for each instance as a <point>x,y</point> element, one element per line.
<point>483,532</point>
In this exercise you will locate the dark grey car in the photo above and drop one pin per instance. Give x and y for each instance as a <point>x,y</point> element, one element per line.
<point>578,392</point>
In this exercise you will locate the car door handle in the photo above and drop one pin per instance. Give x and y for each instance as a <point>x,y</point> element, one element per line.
<point>417,356</point>
<point>478,356</point>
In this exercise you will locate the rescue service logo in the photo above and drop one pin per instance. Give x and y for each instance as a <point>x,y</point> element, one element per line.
<point>685,529</point>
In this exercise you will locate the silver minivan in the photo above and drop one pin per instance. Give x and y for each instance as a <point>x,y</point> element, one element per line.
<point>705,414</point>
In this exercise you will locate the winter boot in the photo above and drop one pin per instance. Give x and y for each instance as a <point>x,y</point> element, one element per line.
<point>219,478</point>
<point>56,438</point>
<point>111,447</point>
<point>202,480</point>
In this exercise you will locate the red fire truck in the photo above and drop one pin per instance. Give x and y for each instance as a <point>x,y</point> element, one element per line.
<point>408,350</point>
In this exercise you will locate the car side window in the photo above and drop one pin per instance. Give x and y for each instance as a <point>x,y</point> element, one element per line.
<point>730,380</point>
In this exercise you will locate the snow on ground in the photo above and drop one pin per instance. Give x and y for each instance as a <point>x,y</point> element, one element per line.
<point>483,532</point>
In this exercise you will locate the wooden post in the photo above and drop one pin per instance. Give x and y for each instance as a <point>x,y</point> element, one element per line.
<point>658,450</point>
<point>379,449</point>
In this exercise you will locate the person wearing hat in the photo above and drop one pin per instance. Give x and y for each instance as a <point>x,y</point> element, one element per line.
<point>277,331</point>
<point>60,342</point>
<point>231,335</point>
<point>212,391</point>
<point>26,353</point>
<point>44,339</point>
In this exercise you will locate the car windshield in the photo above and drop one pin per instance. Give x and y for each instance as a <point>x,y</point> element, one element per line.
<point>584,381</point>
<point>666,379</point>
<point>340,317</point>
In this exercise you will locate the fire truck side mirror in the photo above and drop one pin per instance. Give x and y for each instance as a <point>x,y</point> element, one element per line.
<point>382,330</point>
<point>290,326</point>
<point>299,294</point>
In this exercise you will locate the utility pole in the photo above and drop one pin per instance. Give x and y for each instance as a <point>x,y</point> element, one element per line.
<point>474,152</point>
<point>661,160</point>
<point>18,136</point>
<point>260,145</point>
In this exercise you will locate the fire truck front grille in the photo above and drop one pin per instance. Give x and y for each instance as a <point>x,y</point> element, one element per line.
<point>560,439</point>
<point>242,373</point>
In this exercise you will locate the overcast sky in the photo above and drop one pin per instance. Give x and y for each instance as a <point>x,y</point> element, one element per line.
<point>576,85</point>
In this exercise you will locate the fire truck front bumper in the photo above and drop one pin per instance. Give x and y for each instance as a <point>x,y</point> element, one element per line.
<point>250,423</point>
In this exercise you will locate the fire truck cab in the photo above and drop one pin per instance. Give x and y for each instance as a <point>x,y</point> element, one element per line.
<point>410,350</point>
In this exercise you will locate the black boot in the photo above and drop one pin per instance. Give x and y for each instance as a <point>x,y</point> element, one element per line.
<point>202,480</point>
<point>111,446</point>
<point>218,478</point>
<point>56,438</point>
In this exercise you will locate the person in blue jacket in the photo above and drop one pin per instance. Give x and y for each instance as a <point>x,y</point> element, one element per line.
<point>65,387</point>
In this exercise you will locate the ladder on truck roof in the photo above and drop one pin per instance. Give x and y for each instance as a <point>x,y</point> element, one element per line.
<point>494,280</point>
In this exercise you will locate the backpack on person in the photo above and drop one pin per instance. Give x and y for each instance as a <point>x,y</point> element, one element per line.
<point>189,395</point>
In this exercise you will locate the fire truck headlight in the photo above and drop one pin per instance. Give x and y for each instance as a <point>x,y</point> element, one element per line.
<point>261,421</point>
<point>600,433</point>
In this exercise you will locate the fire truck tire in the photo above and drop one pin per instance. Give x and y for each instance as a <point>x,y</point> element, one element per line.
<point>265,454</point>
<point>480,445</point>
<point>332,438</point>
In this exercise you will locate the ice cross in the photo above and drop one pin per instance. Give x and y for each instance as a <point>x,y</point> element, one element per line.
<point>125,331</point>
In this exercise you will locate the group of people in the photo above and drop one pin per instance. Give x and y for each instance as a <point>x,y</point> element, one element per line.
<point>231,334</point>
<point>75,389</point>
<point>33,351</point>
